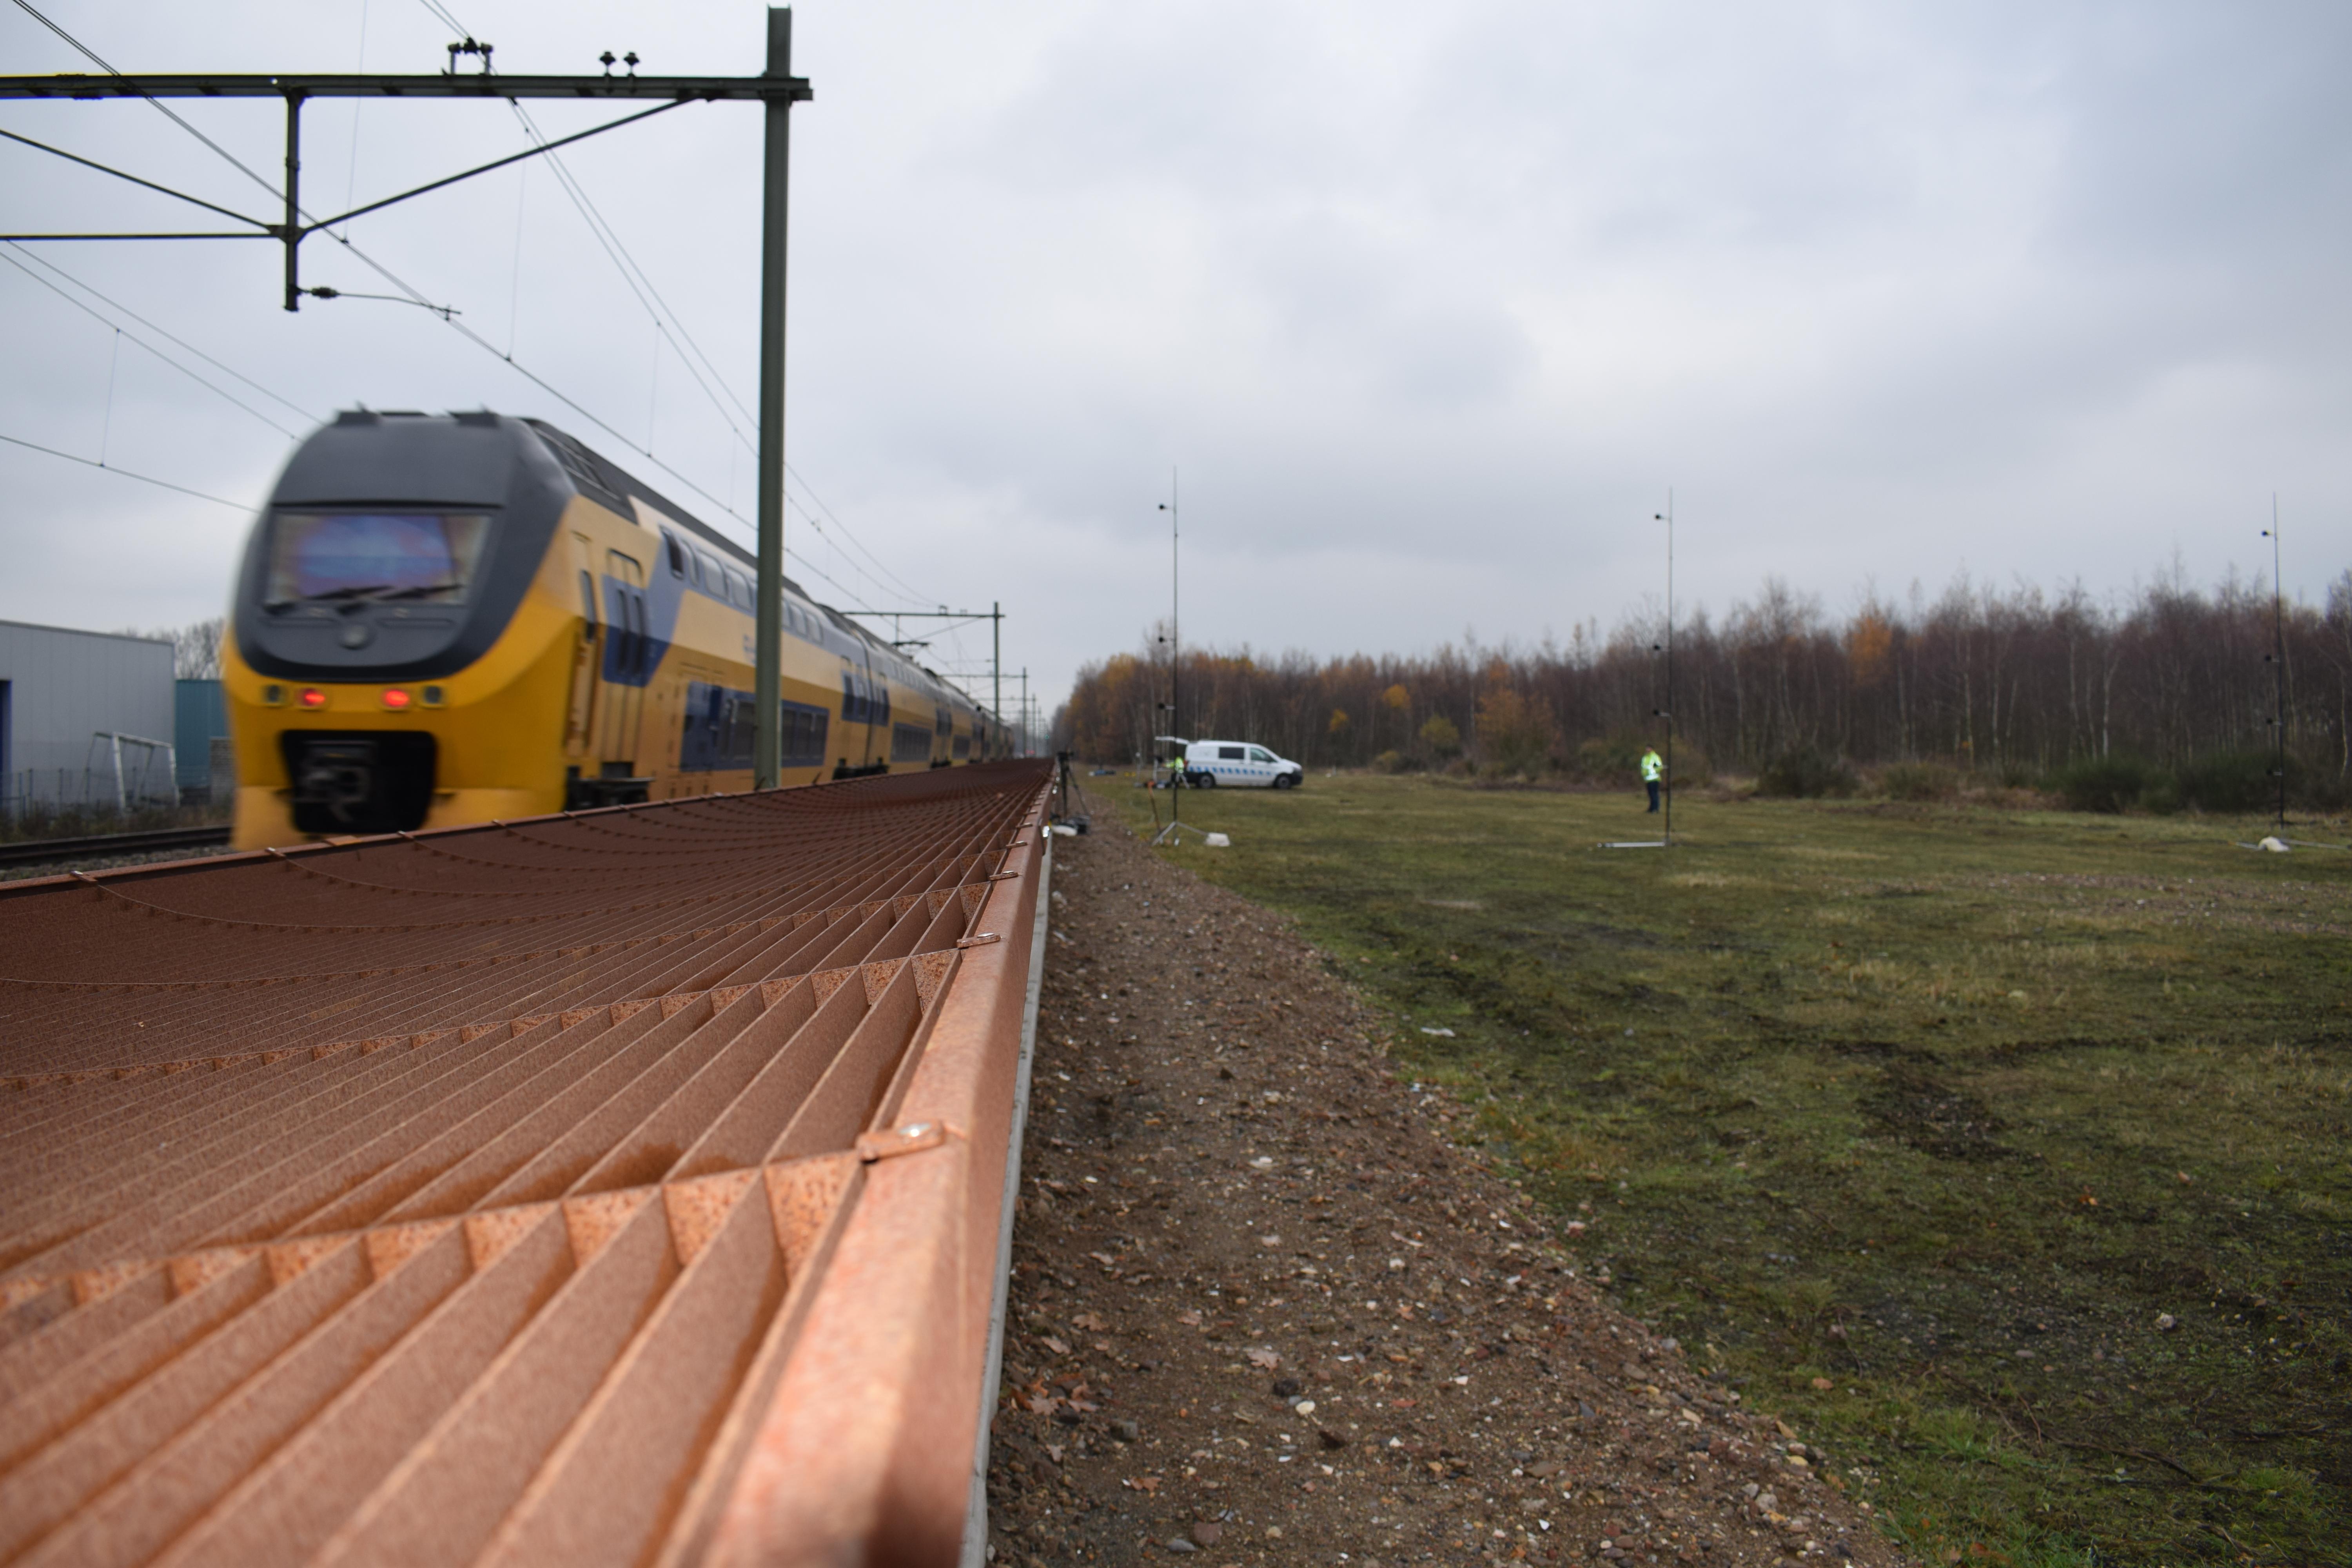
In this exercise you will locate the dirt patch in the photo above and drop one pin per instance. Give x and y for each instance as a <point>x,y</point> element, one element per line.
<point>1264,1310</point>
<point>1937,1119</point>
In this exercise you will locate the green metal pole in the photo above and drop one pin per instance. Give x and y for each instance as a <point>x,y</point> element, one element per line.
<point>767,741</point>
<point>292,232</point>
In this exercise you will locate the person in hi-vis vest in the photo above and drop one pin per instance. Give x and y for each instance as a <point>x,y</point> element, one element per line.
<point>1653,768</point>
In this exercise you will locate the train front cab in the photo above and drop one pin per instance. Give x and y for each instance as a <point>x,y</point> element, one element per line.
<point>399,655</point>
<point>504,628</point>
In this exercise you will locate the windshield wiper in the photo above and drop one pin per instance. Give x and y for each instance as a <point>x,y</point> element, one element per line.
<point>378,592</point>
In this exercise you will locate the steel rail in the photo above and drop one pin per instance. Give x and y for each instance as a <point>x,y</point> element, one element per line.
<point>97,845</point>
<point>674,1235</point>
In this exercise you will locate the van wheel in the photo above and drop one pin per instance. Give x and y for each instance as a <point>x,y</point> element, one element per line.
<point>1205,781</point>
<point>1286,781</point>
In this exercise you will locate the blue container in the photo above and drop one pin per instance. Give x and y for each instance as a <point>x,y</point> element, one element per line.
<point>197,716</point>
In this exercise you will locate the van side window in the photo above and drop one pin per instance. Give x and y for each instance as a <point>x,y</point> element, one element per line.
<point>1260,755</point>
<point>1229,753</point>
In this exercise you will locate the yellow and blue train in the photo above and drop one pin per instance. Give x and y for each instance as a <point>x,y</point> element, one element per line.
<point>454,618</point>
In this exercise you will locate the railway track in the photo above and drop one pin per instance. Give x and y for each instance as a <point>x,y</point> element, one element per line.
<point>100,845</point>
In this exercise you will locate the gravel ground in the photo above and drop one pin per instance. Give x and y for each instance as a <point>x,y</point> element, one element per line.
<point>1264,1310</point>
<point>110,862</point>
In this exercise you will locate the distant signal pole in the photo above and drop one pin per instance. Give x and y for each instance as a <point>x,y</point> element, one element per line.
<point>2277,662</point>
<point>1667,712</point>
<point>1175,644</point>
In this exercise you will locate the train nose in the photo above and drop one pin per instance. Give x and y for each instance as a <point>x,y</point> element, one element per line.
<point>360,783</point>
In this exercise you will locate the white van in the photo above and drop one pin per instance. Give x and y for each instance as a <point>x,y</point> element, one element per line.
<point>1208,764</point>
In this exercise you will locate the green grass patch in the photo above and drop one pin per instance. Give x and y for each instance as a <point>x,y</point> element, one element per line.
<point>1919,1124</point>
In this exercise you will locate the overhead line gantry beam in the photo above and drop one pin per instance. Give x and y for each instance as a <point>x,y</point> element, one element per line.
<point>333,84</point>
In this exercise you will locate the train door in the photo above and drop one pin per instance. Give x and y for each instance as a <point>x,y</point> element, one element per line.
<point>579,713</point>
<point>855,738</point>
<point>627,647</point>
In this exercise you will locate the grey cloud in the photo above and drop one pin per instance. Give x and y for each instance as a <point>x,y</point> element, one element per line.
<point>1431,303</point>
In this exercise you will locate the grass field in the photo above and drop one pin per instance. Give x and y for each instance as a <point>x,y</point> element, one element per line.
<point>2004,1152</point>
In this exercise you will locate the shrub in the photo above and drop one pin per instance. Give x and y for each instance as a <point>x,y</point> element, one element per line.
<point>1441,735</point>
<point>1393,762</point>
<point>2101,783</point>
<point>2232,782</point>
<point>2317,789</point>
<point>1802,773</point>
<point>1918,781</point>
<point>1515,735</point>
<point>1691,770</point>
<point>1612,758</point>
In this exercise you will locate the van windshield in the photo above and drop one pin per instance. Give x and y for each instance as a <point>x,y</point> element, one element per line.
<point>423,557</point>
<point>1260,755</point>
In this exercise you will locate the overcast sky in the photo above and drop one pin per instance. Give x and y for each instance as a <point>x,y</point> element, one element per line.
<point>1430,304</point>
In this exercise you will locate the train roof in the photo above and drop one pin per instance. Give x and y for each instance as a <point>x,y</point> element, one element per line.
<point>619,484</point>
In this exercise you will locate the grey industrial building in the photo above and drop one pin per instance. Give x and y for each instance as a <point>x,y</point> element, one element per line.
<point>67,700</point>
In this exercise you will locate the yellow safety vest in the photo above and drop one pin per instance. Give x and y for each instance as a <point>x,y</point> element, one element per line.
<point>1650,768</point>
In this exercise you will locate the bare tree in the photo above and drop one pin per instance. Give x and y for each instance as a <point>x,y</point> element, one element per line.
<point>196,649</point>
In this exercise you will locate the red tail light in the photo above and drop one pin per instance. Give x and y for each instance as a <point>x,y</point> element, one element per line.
<point>395,698</point>
<point>313,698</point>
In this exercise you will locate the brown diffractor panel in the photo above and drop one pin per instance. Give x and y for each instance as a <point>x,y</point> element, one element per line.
<point>543,1192</point>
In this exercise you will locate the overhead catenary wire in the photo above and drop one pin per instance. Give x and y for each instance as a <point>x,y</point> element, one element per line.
<point>127,473</point>
<point>152,348</point>
<point>113,304</point>
<point>667,324</point>
<point>352,167</point>
<point>900,583</point>
<point>259,227</point>
<point>157,104</point>
<point>649,298</point>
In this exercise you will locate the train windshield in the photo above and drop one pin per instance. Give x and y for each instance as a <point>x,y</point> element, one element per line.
<point>416,557</point>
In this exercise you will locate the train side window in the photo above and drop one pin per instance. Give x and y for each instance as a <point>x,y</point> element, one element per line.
<point>676,555</point>
<point>588,598</point>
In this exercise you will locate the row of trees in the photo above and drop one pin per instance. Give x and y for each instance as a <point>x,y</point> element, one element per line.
<point>2014,682</point>
<point>195,647</point>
